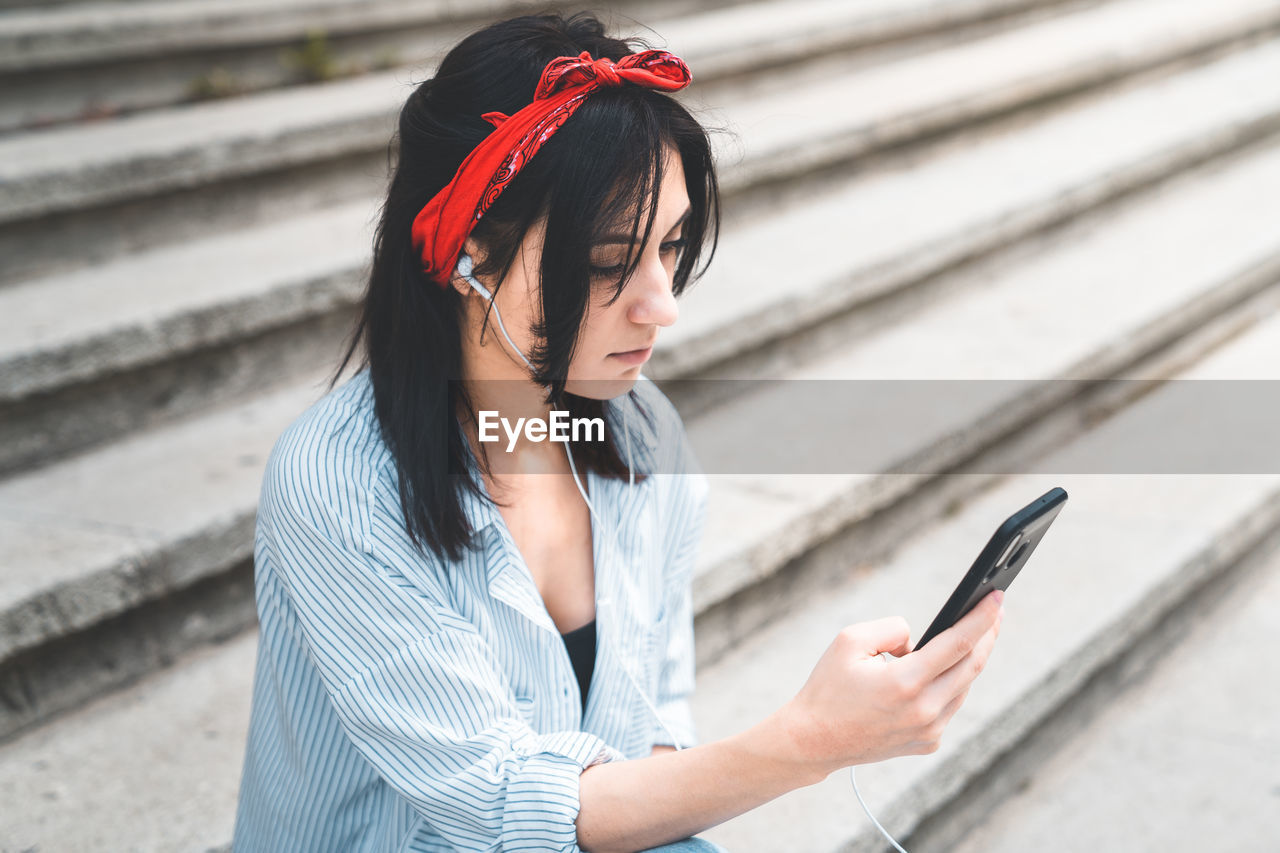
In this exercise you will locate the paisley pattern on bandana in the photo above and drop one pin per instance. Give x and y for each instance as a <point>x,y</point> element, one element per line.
<point>525,149</point>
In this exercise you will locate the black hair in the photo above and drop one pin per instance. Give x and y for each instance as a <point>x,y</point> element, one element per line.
<point>603,166</point>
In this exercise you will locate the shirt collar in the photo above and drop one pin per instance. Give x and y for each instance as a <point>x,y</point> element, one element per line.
<point>479,509</point>
<point>616,504</point>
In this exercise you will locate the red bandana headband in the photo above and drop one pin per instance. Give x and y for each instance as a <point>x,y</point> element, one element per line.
<point>441,228</point>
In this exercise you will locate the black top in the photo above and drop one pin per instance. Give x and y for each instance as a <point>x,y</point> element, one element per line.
<point>581,644</point>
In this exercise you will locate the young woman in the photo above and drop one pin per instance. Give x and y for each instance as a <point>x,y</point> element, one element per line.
<point>488,645</point>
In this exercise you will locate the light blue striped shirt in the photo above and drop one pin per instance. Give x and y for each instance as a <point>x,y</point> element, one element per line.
<point>402,703</point>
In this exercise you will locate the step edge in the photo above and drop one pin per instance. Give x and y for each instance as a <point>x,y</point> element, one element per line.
<point>49,192</point>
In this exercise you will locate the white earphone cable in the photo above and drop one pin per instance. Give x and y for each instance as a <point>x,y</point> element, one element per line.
<point>863,803</point>
<point>464,269</point>
<point>854,779</point>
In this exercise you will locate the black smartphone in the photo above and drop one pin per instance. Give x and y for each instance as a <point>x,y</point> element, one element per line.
<point>999,563</point>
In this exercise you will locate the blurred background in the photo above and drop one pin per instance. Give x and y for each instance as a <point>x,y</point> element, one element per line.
<point>1027,190</point>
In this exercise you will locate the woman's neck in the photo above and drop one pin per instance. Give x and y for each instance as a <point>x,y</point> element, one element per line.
<point>496,386</point>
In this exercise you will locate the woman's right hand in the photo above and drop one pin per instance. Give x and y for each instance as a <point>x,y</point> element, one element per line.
<point>858,708</point>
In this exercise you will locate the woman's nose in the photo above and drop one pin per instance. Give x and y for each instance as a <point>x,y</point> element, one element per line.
<point>654,304</point>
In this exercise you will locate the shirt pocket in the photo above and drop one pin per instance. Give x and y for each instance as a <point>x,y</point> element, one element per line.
<point>528,708</point>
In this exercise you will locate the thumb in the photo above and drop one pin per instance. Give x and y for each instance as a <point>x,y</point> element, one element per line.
<point>890,634</point>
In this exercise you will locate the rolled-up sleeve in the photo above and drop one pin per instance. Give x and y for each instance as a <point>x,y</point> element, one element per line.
<point>432,722</point>
<point>414,686</point>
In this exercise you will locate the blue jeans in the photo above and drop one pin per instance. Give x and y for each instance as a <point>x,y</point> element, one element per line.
<point>688,845</point>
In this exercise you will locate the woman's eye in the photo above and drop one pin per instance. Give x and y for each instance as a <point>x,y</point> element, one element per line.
<point>674,245</point>
<point>612,272</point>
<point>602,271</point>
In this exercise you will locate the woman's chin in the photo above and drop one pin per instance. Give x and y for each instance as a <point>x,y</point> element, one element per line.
<point>605,386</point>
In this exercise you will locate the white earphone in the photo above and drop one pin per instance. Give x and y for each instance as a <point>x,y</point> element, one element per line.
<point>465,266</point>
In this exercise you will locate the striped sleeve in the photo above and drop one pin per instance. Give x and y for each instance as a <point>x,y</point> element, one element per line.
<point>414,686</point>
<point>684,517</point>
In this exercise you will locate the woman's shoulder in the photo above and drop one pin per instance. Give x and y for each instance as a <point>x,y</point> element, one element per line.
<point>327,459</point>
<point>649,419</point>
<point>666,444</point>
<point>326,513</point>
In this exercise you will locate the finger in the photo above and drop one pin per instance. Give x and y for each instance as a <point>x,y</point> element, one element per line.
<point>954,705</point>
<point>960,676</point>
<point>889,634</point>
<point>955,643</point>
<point>950,710</point>
<point>903,648</point>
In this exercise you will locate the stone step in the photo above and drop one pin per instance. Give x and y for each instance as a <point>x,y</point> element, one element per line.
<point>268,130</point>
<point>839,244</point>
<point>84,35</point>
<point>115,58</point>
<point>1187,750</point>
<point>155,767</point>
<point>264,157</point>
<point>1144,288</point>
<point>95,538</point>
<point>89,62</point>
<point>268,302</point>
<point>254,309</point>
<point>134,763</point>
<point>1127,554</point>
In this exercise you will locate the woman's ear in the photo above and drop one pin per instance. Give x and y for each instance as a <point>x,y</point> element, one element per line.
<point>460,284</point>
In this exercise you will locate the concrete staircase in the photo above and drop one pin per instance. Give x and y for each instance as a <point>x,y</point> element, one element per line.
<point>919,189</point>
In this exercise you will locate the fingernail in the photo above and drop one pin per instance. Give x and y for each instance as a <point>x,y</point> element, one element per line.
<point>999,595</point>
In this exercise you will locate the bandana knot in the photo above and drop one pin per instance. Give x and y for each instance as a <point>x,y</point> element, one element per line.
<point>604,71</point>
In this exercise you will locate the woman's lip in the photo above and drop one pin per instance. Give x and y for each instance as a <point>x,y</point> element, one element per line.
<point>635,356</point>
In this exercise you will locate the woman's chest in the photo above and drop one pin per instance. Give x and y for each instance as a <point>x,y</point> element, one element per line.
<point>533,564</point>
<point>552,534</point>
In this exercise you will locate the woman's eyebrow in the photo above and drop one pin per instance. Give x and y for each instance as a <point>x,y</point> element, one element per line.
<point>625,239</point>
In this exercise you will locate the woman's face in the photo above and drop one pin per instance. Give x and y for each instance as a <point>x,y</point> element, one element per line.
<point>616,340</point>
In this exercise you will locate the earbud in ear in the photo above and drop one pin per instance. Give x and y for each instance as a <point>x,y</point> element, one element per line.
<point>465,265</point>
<point>464,269</point>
